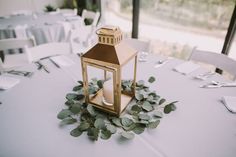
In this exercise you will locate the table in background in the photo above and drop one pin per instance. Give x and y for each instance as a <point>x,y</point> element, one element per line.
<point>200,127</point>
<point>45,27</point>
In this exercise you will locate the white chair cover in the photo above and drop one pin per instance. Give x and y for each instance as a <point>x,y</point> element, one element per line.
<point>20,31</point>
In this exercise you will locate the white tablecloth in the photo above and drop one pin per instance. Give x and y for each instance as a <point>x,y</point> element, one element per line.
<point>200,127</point>
<point>44,27</point>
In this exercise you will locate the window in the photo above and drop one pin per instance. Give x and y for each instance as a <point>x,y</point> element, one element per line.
<point>175,27</point>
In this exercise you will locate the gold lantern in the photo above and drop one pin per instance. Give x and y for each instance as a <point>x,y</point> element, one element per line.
<point>109,55</point>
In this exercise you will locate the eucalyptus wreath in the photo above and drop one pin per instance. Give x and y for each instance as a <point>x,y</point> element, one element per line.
<point>144,112</point>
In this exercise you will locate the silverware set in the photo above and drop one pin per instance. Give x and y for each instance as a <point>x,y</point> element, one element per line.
<point>204,76</point>
<point>21,73</point>
<point>216,84</point>
<point>41,66</point>
<point>18,72</point>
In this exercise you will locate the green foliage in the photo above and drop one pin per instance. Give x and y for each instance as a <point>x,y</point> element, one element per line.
<point>71,4</point>
<point>145,111</point>
<point>151,79</point>
<point>49,8</point>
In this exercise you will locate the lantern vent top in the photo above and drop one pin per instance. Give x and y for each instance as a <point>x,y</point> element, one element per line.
<point>109,35</point>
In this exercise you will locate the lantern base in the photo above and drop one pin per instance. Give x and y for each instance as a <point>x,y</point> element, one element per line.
<point>97,101</point>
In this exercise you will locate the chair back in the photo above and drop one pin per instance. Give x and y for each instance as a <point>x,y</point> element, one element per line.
<point>139,45</point>
<point>86,14</point>
<point>218,60</point>
<point>16,43</point>
<point>14,60</point>
<point>46,50</point>
<point>79,39</point>
<point>20,31</point>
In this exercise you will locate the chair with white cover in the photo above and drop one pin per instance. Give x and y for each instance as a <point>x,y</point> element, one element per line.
<point>86,14</point>
<point>20,31</point>
<point>12,60</point>
<point>79,39</point>
<point>143,47</point>
<point>218,60</point>
<point>67,11</point>
<point>139,45</point>
<point>94,16</point>
<point>46,50</point>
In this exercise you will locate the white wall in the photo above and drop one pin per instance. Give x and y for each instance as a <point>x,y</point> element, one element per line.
<point>7,6</point>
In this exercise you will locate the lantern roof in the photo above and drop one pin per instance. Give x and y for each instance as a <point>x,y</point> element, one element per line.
<point>118,54</point>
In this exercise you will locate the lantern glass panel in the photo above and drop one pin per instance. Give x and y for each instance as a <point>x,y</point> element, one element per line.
<point>101,87</point>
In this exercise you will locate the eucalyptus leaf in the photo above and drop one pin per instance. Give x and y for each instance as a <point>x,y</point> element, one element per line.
<point>151,79</point>
<point>140,83</point>
<point>170,107</point>
<point>71,96</point>
<point>77,88</point>
<point>162,101</point>
<point>92,90</point>
<point>158,114</point>
<point>79,97</point>
<point>147,106</point>
<point>105,134</point>
<point>139,128</point>
<point>91,110</point>
<point>117,122</point>
<point>144,116</point>
<point>64,114</point>
<point>126,121</point>
<point>153,125</point>
<point>153,94</point>
<point>111,128</point>
<point>150,98</point>
<point>173,107</point>
<point>81,82</point>
<point>127,135</point>
<point>138,96</point>
<point>135,117</point>
<point>75,108</point>
<point>69,102</point>
<point>76,132</point>
<point>68,120</point>
<point>167,109</point>
<point>93,133</point>
<point>136,109</point>
<point>99,123</point>
<point>100,83</point>
<point>84,126</point>
<point>130,127</point>
<point>85,116</point>
<point>143,121</point>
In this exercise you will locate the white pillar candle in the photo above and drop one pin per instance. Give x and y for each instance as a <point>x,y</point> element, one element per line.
<point>108,95</point>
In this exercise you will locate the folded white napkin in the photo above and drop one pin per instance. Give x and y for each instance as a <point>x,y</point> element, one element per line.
<point>62,61</point>
<point>8,82</point>
<point>230,103</point>
<point>186,67</point>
